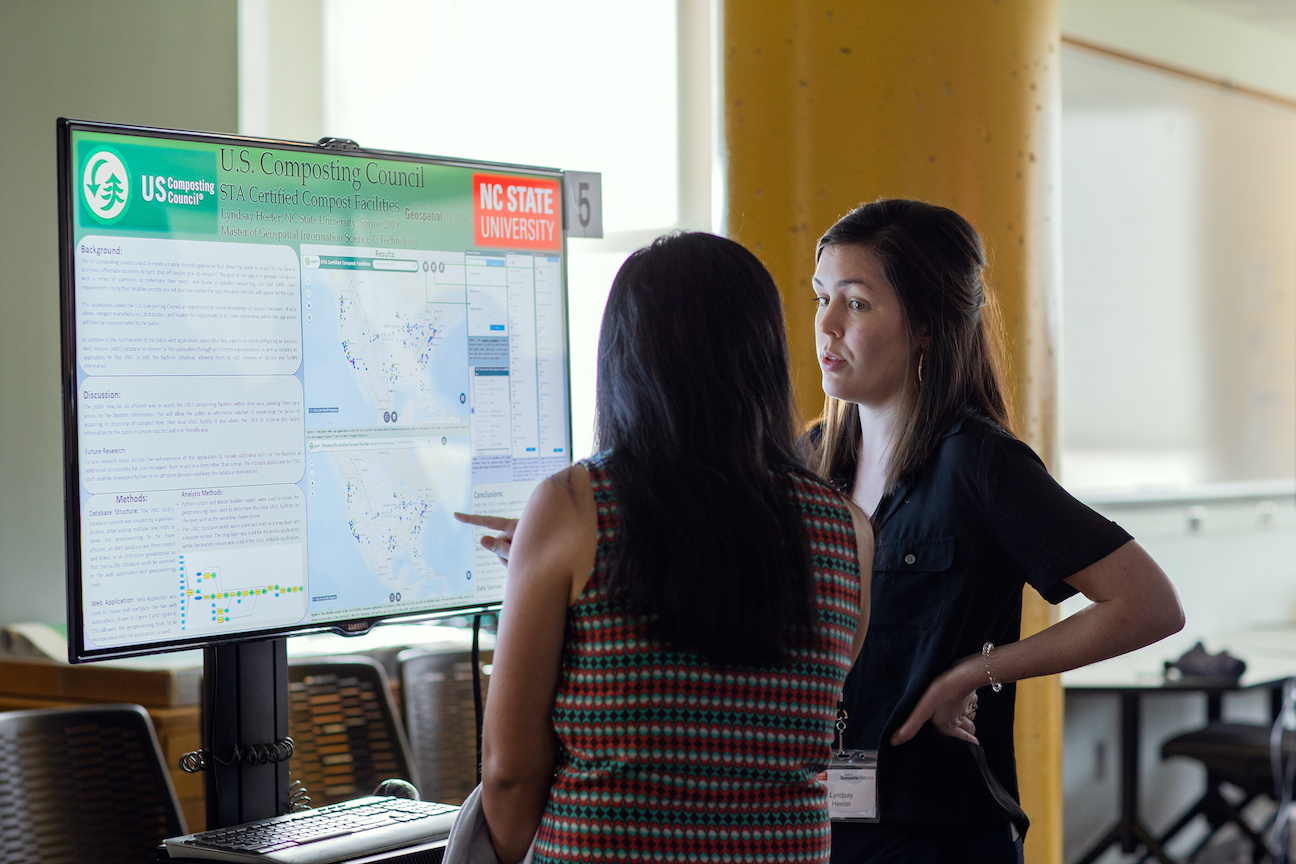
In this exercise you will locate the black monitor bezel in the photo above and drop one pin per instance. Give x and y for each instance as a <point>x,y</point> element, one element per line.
<point>77,652</point>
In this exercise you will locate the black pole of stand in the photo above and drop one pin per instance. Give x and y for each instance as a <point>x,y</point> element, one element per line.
<point>477,688</point>
<point>245,704</point>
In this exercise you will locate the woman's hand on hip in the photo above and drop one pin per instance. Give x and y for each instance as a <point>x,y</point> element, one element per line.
<point>950,703</point>
<point>500,544</point>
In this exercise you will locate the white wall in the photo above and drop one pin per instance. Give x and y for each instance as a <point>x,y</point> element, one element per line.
<point>1131,231</point>
<point>1231,556</point>
<point>281,69</point>
<point>1189,35</point>
<point>151,62</point>
<point>1178,357</point>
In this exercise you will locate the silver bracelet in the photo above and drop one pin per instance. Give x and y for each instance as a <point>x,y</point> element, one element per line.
<point>985,657</point>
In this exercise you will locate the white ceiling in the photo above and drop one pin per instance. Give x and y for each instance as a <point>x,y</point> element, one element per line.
<point>1278,14</point>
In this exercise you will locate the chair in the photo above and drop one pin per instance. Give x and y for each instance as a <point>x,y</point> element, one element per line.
<point>1233,753</point>
<point>83,785</point>
<point>436,686</point>
<point>346,734</point>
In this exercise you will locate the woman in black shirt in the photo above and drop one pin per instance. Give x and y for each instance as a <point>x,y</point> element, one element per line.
<point>916,429</point>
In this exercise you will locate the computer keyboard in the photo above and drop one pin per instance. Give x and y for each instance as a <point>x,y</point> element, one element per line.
<point>338,832</point>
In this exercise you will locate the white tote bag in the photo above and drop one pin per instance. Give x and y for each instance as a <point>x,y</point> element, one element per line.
<point>470,842</point>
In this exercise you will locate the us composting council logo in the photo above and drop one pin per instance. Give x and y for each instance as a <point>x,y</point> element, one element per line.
<point>105,185</point>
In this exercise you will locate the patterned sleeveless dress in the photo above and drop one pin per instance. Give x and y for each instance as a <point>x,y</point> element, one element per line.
<point>665,758</point>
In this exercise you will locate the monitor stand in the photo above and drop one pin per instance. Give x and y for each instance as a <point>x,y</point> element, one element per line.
<point>245,705</point>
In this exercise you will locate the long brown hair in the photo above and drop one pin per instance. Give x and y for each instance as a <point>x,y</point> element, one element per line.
<point>935,261</point>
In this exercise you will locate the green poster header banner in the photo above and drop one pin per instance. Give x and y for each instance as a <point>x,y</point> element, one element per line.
<point>198,190</point>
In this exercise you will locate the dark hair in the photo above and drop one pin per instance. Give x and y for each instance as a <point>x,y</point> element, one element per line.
<point>934,259</point>
<point>695,411</point>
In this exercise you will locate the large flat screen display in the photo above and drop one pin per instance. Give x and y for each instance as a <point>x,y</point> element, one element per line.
<point>285,367</point>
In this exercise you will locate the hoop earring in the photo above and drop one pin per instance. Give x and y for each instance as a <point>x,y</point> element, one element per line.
<point>920,359</point>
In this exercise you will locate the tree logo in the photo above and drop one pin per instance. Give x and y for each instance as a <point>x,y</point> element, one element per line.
<point>105,185</point>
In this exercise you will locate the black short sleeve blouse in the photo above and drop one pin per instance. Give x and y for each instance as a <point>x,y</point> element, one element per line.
<point>953,548</point>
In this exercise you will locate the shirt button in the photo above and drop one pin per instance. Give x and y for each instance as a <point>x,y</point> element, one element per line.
<point>909,559</point>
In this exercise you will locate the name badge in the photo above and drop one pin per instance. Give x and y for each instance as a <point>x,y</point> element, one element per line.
<point>851,779</point>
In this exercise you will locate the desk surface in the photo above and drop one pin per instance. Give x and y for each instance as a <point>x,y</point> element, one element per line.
<point>1269,652</point>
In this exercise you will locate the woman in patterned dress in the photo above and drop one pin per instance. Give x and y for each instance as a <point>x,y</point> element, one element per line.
<point>682,608</point>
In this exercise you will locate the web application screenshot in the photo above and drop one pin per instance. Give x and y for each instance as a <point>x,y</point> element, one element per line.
<point>292,368</point>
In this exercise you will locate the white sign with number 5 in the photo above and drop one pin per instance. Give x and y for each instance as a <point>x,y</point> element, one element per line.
<point>583,213</point>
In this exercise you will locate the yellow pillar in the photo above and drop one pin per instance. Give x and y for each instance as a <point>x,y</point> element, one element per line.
<point>957,102</point>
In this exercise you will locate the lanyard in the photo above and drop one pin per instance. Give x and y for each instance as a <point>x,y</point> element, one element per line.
<point>851,779</point>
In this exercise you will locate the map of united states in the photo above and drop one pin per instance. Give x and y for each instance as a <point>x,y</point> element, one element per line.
<point>390,336</point>
<point>390,496</point>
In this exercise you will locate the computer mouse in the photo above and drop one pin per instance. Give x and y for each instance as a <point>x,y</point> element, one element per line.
<point>398,789</point>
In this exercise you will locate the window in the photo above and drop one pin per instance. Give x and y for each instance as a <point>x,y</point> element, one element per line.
<point>1178,306</point>
<point>577,84</point>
